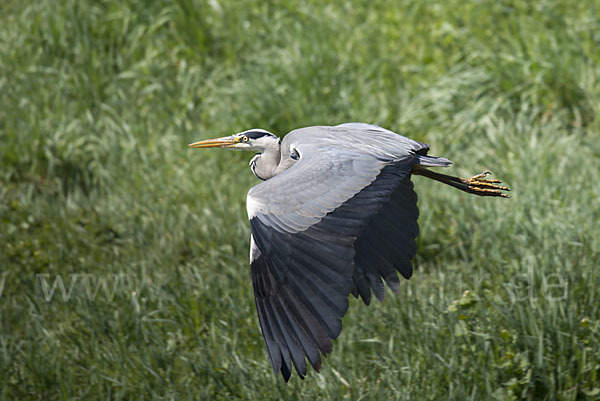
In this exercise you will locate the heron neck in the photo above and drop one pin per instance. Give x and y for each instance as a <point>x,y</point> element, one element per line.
<point>266,165</point>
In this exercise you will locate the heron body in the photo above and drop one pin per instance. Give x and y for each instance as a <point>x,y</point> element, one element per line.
<point>336,215</point>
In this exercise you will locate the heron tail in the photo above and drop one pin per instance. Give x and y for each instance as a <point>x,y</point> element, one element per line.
<point>430,161</point>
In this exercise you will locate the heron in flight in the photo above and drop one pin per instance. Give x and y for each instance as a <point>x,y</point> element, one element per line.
<point>335,215</point>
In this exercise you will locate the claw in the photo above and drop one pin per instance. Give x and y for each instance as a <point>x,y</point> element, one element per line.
<point>481,175</point>
<point>486,184</point>
<point>480,180</point>
<point>483,187</point>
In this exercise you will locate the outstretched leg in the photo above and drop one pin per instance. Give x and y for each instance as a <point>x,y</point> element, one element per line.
<point>477,185</point>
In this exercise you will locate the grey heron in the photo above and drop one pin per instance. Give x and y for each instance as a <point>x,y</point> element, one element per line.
<point>336,215</point>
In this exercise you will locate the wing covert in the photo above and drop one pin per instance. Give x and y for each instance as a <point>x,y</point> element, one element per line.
<point>316,185</point>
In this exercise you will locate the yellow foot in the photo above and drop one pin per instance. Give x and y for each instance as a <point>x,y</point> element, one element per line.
<point>480,186</point>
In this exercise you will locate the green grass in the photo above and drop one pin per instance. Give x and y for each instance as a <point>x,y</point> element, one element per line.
<point>98,100</point>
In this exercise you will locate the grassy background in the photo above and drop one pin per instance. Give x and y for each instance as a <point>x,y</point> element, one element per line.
<point>98,100</point>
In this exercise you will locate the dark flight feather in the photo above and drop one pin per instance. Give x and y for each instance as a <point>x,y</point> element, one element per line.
<point>302,280</point>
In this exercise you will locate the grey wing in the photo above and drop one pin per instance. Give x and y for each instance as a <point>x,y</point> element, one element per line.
<point>312,245</point>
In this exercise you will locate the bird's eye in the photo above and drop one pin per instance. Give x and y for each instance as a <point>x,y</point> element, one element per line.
<point>245,138</point>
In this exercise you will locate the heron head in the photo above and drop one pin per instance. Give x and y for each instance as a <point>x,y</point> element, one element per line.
<point>253,139</point>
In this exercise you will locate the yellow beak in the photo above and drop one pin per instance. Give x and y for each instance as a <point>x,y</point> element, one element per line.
<point>225,142</point>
